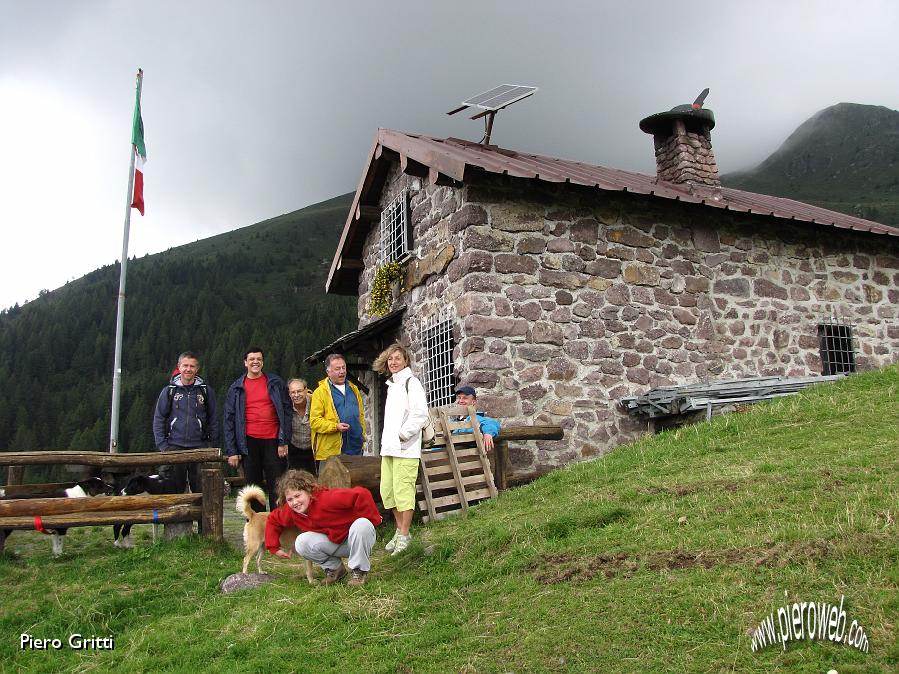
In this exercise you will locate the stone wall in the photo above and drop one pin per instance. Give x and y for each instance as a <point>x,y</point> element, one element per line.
<point>567,299</point>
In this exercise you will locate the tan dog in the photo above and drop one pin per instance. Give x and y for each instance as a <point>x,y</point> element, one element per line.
<point>254,529</point>
<point>333,474</point>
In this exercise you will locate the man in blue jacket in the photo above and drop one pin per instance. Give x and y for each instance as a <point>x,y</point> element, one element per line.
<point>466,395</point>
<point>185,418</point>
<point>258,425</point>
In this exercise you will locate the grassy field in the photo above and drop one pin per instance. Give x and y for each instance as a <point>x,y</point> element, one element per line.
<point>662,556</point>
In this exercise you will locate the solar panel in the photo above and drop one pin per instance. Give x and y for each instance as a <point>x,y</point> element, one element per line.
<point>492,101</point>
<point>500,97</point>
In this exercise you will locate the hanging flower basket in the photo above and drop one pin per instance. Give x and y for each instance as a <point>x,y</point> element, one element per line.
<point>381,298</point>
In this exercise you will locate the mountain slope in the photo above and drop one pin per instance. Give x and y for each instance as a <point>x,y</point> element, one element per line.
<point>259,285</point>
<point>845,157</point>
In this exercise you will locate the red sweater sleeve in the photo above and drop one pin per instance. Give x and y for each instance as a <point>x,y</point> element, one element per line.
<point>278,520</point>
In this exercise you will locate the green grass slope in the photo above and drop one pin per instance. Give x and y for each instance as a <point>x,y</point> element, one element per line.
<point>662,556</point>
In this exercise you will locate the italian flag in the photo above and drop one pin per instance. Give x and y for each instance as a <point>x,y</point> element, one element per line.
<point>140,157</point>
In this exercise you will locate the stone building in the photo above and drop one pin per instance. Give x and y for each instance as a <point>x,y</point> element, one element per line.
<point>557,288</point>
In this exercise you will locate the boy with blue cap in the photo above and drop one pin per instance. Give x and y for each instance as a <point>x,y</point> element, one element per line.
<point>467,396</point>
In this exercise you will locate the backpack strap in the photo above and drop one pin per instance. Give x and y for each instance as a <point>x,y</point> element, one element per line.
<point>168,412</point>
<point>206,410</point>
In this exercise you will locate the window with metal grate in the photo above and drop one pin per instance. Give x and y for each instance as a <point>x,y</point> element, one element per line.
<point>395,235</point>
<point>836,342</point>
<point>437,340</point>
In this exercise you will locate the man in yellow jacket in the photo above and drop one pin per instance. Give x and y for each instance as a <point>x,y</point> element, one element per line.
<point>336,417</point>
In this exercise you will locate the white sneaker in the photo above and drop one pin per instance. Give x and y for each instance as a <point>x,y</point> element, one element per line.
<point>402,542</point>
<point>391,544</point>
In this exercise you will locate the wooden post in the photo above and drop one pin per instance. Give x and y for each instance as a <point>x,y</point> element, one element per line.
<point>15,475</point>
<point>212,522</point>
<point>501,460</point>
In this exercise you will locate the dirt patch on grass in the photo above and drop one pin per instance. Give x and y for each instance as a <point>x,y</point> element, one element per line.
<point>687,489</point>
<point>557,568</point>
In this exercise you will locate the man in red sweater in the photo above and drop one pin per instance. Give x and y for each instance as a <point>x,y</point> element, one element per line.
<point>257,424</point>
<point>336,523</point>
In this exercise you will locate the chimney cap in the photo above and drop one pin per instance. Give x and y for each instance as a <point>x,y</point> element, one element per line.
<point>694,119</point>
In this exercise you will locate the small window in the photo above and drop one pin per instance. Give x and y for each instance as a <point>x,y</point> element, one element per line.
<point>837,347</point>
<point>395,230</point>
<point>437,340</point>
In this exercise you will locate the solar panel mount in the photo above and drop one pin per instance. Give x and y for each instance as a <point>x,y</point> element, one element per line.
<point>492,101</point>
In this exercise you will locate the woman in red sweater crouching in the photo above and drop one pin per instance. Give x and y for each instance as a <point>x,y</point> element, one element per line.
<point>336,523</point>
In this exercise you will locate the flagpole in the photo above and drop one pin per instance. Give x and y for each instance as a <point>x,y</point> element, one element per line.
<point>120,313</point>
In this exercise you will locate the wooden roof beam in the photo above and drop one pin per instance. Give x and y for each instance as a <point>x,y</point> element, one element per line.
<point>411,167</point>
<point>435,177</point>
<point>350,263</point>
<point>366,212</point>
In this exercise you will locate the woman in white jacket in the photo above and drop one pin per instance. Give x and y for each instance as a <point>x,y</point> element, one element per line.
<point>405,414</point>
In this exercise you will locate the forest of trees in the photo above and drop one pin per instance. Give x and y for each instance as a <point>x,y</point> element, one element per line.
<point>259,285</point>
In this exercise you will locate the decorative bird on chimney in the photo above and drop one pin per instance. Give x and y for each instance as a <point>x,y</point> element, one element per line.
<point>696,105</point>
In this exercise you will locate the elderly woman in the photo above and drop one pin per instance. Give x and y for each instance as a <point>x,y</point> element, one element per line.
<point>405,414</point>
<point>299,449</point>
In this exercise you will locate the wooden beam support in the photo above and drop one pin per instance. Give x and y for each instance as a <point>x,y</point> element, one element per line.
<point>437,178</point>
<point>451,165</point>
<point>500,458</point>
<point>32,507</point>
<point>351,264</point>
<point>106,459</point>
<point>181,513</point>
<point>15,475</point>
<point>365,471</point>
<point>366,212</point>
<point>411,167</point>
<point>212,524</point>
<point>386,154</point>
<point>539,432</point>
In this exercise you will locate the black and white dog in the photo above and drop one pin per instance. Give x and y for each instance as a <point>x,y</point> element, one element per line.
<point>134,485</point>
<point>92,486</point>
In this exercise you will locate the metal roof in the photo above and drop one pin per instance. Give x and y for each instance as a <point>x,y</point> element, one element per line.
<point>453,159</point>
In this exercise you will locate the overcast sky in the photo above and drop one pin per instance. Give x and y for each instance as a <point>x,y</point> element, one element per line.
<point>254,109</point>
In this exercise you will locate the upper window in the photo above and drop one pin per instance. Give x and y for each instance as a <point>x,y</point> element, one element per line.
<point>837,347</point>
<point>437,340</point>
<point>395,230</point>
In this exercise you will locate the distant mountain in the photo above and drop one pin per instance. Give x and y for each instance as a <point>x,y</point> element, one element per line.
<point>259,285</point>
<point>846,158</point>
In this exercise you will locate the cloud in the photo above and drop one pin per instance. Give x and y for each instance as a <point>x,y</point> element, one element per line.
<point>252,110</point>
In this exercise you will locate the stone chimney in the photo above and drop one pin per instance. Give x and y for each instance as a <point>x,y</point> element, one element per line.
<point>683,143</point>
